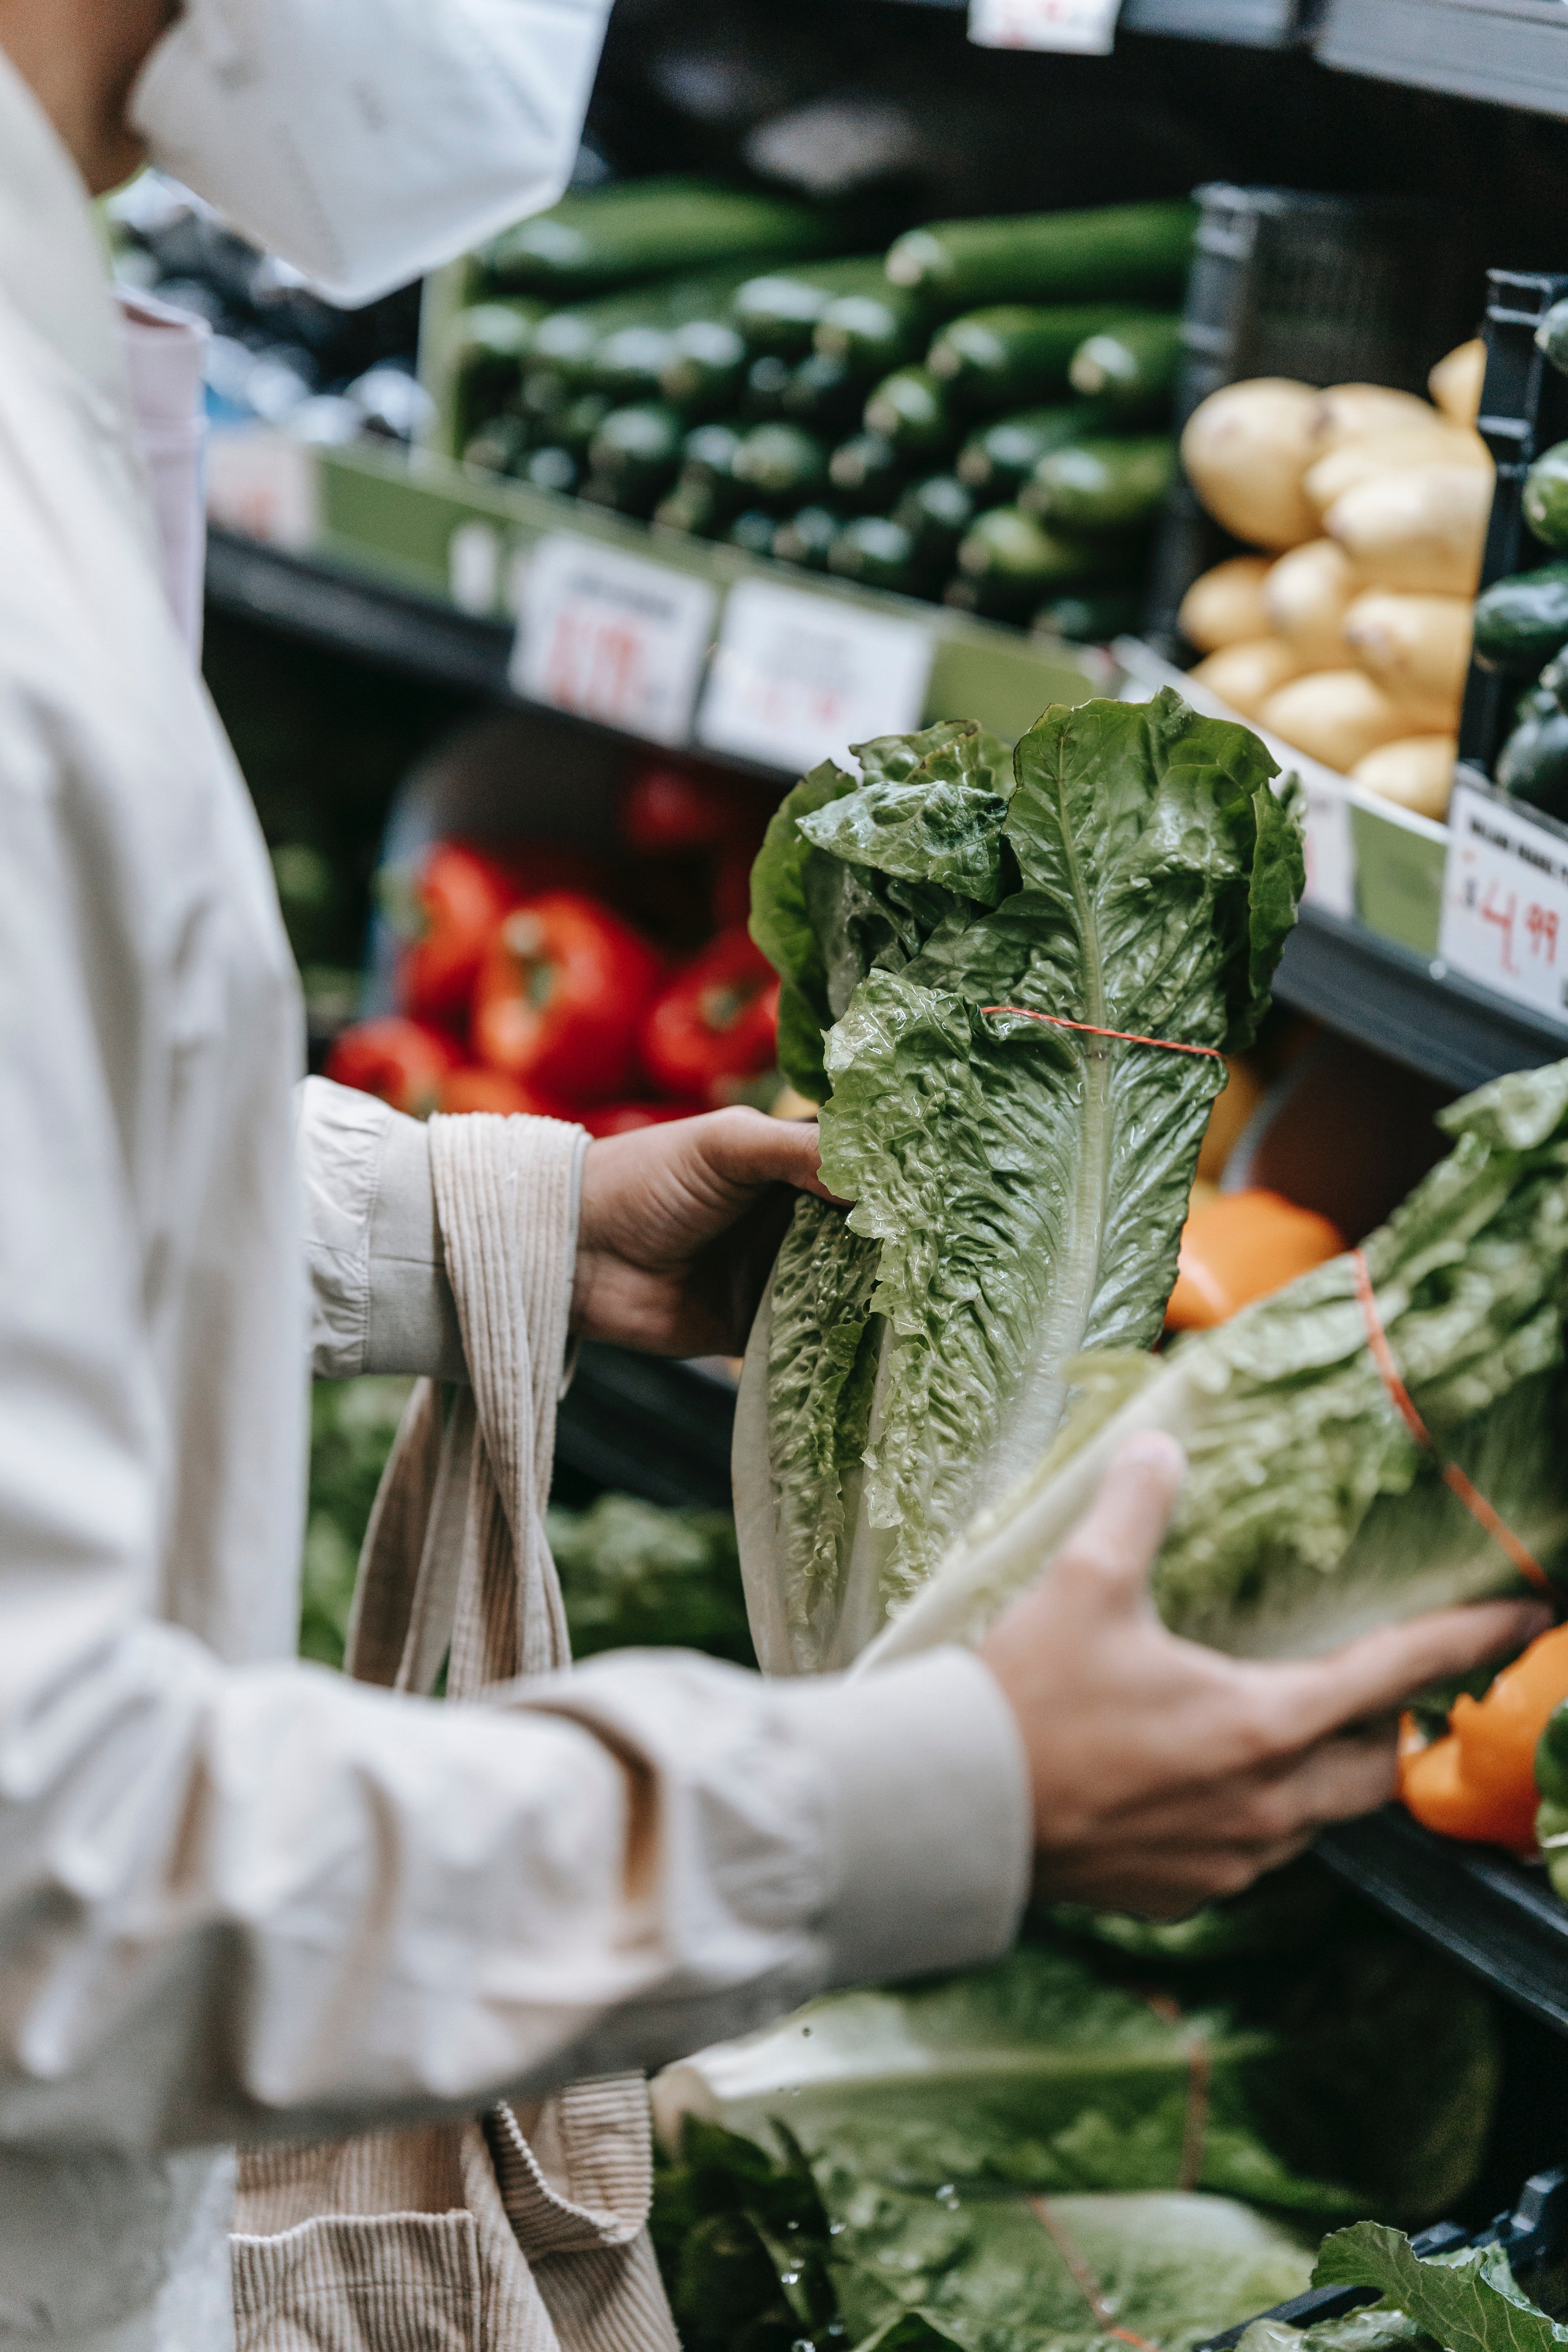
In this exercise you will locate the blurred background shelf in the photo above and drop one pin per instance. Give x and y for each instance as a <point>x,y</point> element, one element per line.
<point>1510,52</point>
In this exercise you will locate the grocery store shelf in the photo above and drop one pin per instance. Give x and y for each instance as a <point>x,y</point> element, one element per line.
<point>1399,1004</point>
<point>1511,52</point>
<point>1494,1916</point>
<point>1246,23</point>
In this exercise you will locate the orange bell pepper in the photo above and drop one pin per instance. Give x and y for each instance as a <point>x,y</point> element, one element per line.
<point>1479,1780</point>
<point>1239,1247</point>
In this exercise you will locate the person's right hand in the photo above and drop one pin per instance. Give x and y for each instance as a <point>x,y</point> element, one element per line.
<point>1166,1774</point>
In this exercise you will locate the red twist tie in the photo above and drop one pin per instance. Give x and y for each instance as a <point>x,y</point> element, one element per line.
<point>1195,2122</point>
<point>1126,1036</point>
<point>1083,2278</point>
<point>1474,1501</point>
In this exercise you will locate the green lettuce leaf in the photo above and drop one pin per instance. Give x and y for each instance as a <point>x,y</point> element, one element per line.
<point>1353,1526</point>
<point>1018,1188</point>
<point>1468,2302</point>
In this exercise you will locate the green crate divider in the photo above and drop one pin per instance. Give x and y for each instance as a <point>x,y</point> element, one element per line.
<point>1399,879</point>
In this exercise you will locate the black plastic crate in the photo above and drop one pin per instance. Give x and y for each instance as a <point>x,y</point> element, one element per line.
<point>1325,289</point>
<point>1524,410</point>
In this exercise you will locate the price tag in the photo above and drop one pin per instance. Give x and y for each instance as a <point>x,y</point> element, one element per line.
<point>610,636</point>
<point>263,485</point>
<point>797,678</point>
<point>1087,27</point>
<point>1330,848</point>
<point>1505,902</point>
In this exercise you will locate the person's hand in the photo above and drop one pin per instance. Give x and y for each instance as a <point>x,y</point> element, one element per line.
<point>1166,1774</point>
<point>679,1225</point>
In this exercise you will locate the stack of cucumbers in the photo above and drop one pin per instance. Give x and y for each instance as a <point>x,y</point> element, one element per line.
<point>1522,622</point>
<point>979,415</point>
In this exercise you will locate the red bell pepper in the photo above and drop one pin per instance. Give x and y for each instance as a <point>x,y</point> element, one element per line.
<point>667,809</point>
<point>562,996</point>
<point>716,1023</point>
<point>404,1061</point>
<point>625,1117</point>
<point>446,910</point>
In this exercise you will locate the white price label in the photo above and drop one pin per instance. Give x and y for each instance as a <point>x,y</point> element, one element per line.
<point>1331,849</point>
<point>797,677</point>
<point>263,484</point>
<point>611,637</point>
<point>1505,902</point>
<point>1087,27</point>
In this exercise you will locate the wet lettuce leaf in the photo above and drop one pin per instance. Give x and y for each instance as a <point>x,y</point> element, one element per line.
<point>1466,2302</point>
<point>1310,1512</point>
<point>1018,1189</point>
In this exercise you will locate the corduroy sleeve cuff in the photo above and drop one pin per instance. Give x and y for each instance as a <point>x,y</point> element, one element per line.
<point>932,1819</point>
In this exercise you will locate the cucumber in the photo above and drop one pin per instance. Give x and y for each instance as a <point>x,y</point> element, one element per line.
<point>876,328</point>
<point>1016,561</point>
<point>605,237</point>
<point>877,552</point>
<point>999,459</point>
<point>634,457</point>
<point>826,394</point>
<point>778,312</point>
<point>1522,621</point>
<point>762,393</point>
<point>1091,619</point>
<point>753,530</point>
<point>574,427</point>
<point>479,363</point>
<point>1101,485</point>
<point>704,368</point>
<point>708,453</point>
<point>936,513</point>
<point>499,446</point>
<point>909,409</point>
<point>1132,366</point>
<point>1546,496</point>
<point>1118,250</point>
<point>1533,764</point>
<point>552,469</point>
<point>693,508</point>
<point>781,465</point>
<point>866,470</point>
<point>1013,354</point>
<point>1551,336</point>
<point>628,364</point>
<point>807,537</point>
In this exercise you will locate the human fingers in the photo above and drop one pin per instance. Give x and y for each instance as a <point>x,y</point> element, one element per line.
<point>747,1149</point>
<point>1117,1537</point>
<point>1157,1880</point>
<point>1336,1781</point>
<point>1375,1675</point>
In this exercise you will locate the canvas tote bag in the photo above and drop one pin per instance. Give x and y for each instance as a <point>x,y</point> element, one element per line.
<point>526,2229</point>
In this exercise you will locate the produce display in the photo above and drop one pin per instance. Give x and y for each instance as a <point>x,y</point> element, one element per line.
<point>1350,636</point>
<point>1522,622</point>
<point>975,415</point>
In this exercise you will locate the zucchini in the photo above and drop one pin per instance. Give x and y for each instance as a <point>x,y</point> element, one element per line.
<point>877,552</point>
<point>1090,618</point>
<point>1522,621</point>
<point>762,393</point>
<point>875,328</point>
<point>781,465</point>
<point>807,537</point>
<point>1551,336</point>
<point>778,312</point>
<point>1014,561</point>
<point>1101,485</point>
<point>1013,354</point>
<point>552,469</point>
<point>634,457</point>
<point>936,513</point>
<point>826,394</point>
<point>704,367</point>
<point>605,237</point>
<point>866,470</point>
<point>753,530</point>
<point>999,459</point>
<point>499,446</point>
<point>1533,764</point>
<point>1546,497</point>
<point>909,409</point>
<point>1118,250</point>
<point>1132,366</point>
<point>628,364</point>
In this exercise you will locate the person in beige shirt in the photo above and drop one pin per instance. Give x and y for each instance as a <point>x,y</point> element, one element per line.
<point>241,1898</point>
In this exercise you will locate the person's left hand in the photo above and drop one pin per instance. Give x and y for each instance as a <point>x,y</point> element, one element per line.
<point>678,1227</point>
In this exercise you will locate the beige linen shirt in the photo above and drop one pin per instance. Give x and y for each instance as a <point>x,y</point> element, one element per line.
<point>240,1897</point>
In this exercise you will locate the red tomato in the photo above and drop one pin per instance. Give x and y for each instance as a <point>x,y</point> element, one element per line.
<point>562,996</point>
<point>404,1061</point>
<point>471,1089</point>
<point>625,1118</point>
<point>718,1020</point>
<point>668,808</point>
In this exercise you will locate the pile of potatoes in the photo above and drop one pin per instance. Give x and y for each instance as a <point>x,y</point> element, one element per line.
<point>1351,638</point>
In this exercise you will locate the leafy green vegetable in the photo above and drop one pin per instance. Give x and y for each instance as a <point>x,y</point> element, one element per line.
<point>353,1425</point>
<point>1310,1512</point>
<point>1018,1187</point>
<point>635,1576</point>
<point>1365,2082</point>
<point>1468,2302</point>
<point>1287,1909</point>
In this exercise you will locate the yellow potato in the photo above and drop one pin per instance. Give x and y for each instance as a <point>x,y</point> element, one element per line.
<point>1305,597</point>
<point>1349,412</point>
<point>1246,448</point>
<point>1337,716</point>
<point>1423,530</point>
<point>1225,606</point>
<point>1245,676</point>
<point>1455,384</point>
<point>1416,771</point>
<point>1418,648</point>
<point>1440,443</point>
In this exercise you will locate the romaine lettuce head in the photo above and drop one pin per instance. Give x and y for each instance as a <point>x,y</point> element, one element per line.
<point>1310,1512</point>
<point>1018,1188</point>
